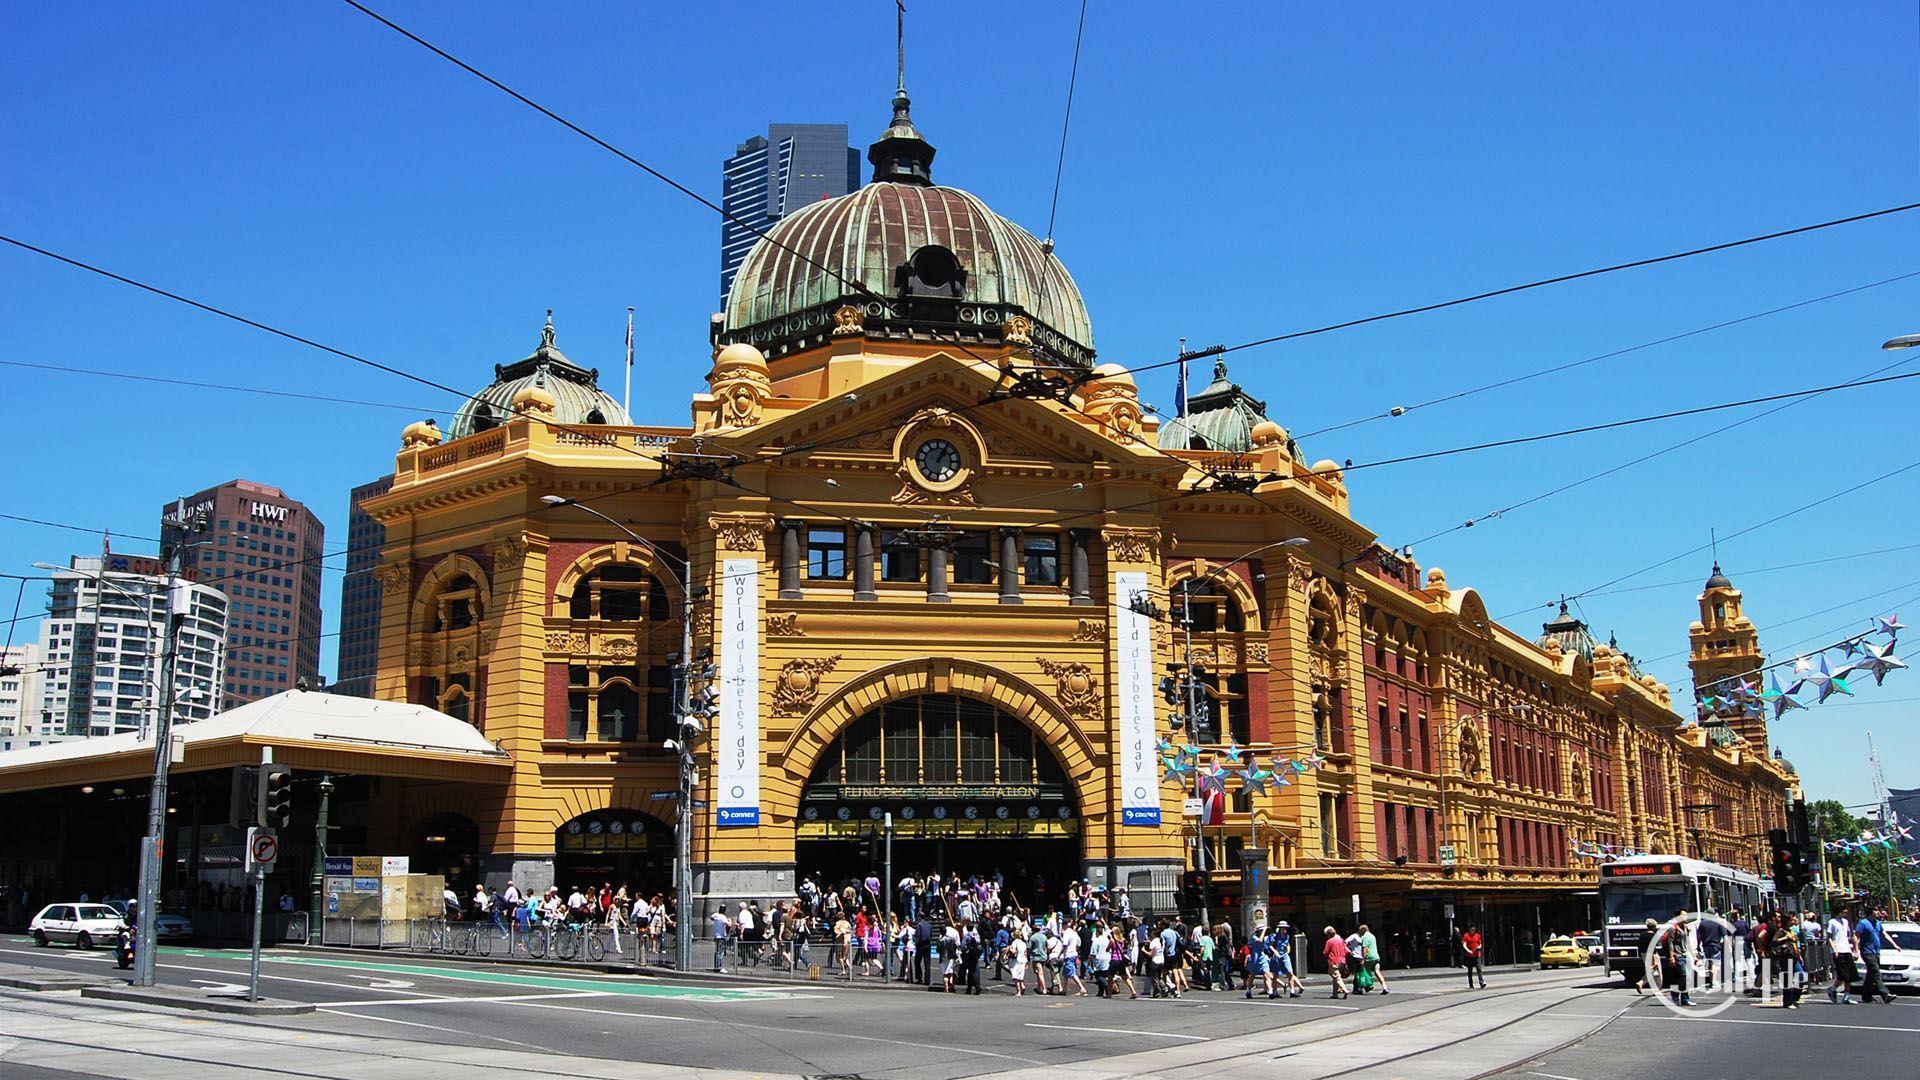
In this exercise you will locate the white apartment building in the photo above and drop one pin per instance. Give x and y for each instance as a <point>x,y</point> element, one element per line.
<point>100,650</point>
<point>19,692</point>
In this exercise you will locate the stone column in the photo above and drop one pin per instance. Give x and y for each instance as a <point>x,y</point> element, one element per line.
<point>937,575</point>
<point>790,558</point>
<point>1009,565</point>
<point>863,563</point>
<point>1079,579</point>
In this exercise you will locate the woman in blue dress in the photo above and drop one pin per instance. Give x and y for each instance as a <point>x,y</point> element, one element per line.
<point>1259,961</point>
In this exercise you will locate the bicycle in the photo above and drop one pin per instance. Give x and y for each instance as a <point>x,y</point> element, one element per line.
<point>578,941</point>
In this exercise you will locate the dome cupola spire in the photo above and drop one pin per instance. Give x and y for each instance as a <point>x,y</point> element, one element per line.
<point>901,155</point>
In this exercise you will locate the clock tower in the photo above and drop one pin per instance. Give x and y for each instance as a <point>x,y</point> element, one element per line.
<point>1725,652</point>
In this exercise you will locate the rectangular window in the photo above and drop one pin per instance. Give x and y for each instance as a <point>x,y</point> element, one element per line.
<point>659,703</point>
<point>826,553</point>
<point>1043,558</point>
<point>863,751</point>
<point>902,742</point>
<point>970,559</point>
<point>1016,753</point>
<point>939,751</point>
<point>1239,710</point>
<point>976,742</point>
<point>1329,829</point>
<point>899,556</point>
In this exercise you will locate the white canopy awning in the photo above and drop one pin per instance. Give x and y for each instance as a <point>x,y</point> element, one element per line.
<point>307,730</point>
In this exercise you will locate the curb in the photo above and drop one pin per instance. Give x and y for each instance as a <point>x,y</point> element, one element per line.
<point>172,999</point>
<point>52,982</point>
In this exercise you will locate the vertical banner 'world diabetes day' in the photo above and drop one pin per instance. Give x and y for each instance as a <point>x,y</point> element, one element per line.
<point>737,750</point>
<point>1139,784</point>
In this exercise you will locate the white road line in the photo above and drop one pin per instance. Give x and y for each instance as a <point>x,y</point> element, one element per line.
<point>436,1027</point>
<point>441,1000</point>
<point>613,1012</point>
<point>289,978</point>
<point>1121,1031</point>
<point>1776,1023</point>
<point>1553,1076</point>
<point>1291,1004</point>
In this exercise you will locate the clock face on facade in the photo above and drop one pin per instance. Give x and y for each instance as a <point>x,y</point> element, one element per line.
<point>938,459</point>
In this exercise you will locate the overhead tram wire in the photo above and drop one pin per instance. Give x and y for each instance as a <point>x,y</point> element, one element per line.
<point>1221,350</point>
<point>1073,79</point>
<point>1562,489</point>
<point>224,386</point>
<point>1497,384</point>
<point>1751,571</point>
<point>1910,466</point>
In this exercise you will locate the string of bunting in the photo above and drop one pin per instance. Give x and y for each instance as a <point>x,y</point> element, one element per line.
<point>1602,852</point>
<point>1888,837</point>
<point>1858,655</point>
<point>1182,765</point>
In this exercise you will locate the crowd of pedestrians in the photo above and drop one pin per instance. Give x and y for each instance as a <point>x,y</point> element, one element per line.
<point>955,934</point>
<point>1726,951</point>
<point>630,918</point>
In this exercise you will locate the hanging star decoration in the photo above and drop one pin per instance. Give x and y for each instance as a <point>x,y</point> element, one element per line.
<point>1878,661</point>
<point>1253,778</point>
<point>1213,779</point>
<point>1234,753</point>
<point>1834,682</point>
<point>1802,665</point>
<point>1784,702</point>
<point>1163,746</point>
<point>1178,768</point>
<point>1890,625</point>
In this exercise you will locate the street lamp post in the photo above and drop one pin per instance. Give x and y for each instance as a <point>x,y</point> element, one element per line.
<point>320,830</point>
<point>1193,694</point>
<point>684,728</point>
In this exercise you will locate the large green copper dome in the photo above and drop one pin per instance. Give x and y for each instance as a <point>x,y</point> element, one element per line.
<point>920,261</point>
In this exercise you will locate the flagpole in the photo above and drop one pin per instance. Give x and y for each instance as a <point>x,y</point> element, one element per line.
<point>626,395</point>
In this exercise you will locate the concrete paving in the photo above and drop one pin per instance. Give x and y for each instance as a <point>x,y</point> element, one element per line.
<point>175,997</point>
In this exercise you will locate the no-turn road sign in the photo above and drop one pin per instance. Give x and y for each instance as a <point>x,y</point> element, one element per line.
<point>263,847</point>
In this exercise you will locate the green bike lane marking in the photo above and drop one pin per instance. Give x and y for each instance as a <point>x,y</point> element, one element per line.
<point>609,985</point>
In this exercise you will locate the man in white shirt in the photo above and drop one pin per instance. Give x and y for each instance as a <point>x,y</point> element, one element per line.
<point>577,905</point>
<point>1845,974</point>
<point>1070,960</point>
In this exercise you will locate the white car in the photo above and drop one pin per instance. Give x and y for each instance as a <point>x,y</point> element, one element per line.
<point>86,925</point>
<point>1900,955</point>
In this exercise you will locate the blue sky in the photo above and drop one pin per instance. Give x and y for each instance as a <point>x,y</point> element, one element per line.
<point>1234,170</point>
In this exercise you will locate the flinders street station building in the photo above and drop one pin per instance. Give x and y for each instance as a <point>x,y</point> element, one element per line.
<point>930,560</point>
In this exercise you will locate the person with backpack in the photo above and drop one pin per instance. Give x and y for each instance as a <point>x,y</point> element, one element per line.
<point>970,958</point>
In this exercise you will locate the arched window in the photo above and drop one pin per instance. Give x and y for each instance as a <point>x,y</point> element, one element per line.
<point>618,593</point>
<point>457,606</point>
<point>1212,607</point>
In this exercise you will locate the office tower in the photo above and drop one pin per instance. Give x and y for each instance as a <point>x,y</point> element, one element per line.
<point>771,176</point>
<point>360,596</point>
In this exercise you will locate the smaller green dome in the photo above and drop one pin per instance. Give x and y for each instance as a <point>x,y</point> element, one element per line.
<point>576,392</point>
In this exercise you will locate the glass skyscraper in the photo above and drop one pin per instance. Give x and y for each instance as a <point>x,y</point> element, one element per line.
<point>771,176</point>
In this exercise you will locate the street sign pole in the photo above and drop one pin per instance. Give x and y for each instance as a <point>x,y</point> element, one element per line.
<point>253,970</point>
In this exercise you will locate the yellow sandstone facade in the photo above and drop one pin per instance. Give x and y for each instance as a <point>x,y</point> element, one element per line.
<point>914,503</point>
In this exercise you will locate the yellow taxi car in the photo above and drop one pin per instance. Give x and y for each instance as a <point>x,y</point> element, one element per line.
<point>1563,952</point>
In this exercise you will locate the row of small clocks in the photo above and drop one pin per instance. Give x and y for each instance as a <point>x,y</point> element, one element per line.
<point>597,826</point>
<point>938,813</point>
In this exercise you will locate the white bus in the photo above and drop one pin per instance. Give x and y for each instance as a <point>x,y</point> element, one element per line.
<point>1657,887</point>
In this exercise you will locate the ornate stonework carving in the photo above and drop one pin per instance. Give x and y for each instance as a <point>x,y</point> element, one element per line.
<point>740,384</point>
<point>620,646</point>
<point>1019,330</point>
<point>848,321</point>
<point>509,552</point>
<point>911,492</point>
<point>1075,686</point>
<point>1469,750</point>
<point>740,533</point>
<point>1356,599</point>
<point>798,686</point>
<point>1257,652</point>
<point>787,625</point>
<point>420,652</point>
<point>1091,630</point>
<point>393,577</point>
<point>1114,403</point>
<point>1131,545</point>
<point>1000,444</point>
<point>1299,575</point>
<point>557,641</point>
<point>1579,785</point>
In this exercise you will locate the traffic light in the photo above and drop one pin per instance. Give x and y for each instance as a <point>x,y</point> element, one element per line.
<point>1780,860</point>
<point>244,809</point>
<point>1193,887</point>
<point>276,797</point>
<point>864,845</point>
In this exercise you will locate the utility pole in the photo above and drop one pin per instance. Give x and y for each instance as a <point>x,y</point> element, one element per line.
<point>154,844</point>
<point>1192,694</point>
<point>320,831</point>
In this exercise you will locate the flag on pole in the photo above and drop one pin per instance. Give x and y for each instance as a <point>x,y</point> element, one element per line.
<point>1180,391</point>
<point>626,398</point>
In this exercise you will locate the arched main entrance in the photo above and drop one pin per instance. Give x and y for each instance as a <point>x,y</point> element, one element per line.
<point>971,788</point>
<point>614,847</point>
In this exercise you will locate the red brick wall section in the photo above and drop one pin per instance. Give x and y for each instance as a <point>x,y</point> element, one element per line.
<point>561,554</point>
<point>556,716</point>
<point>1259,721</point>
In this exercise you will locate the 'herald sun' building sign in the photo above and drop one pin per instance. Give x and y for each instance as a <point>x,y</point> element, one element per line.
<point>736,750</point>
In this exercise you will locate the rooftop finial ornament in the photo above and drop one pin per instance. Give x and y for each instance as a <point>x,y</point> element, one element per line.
<point>546,332</point>
<point>901,155</point>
